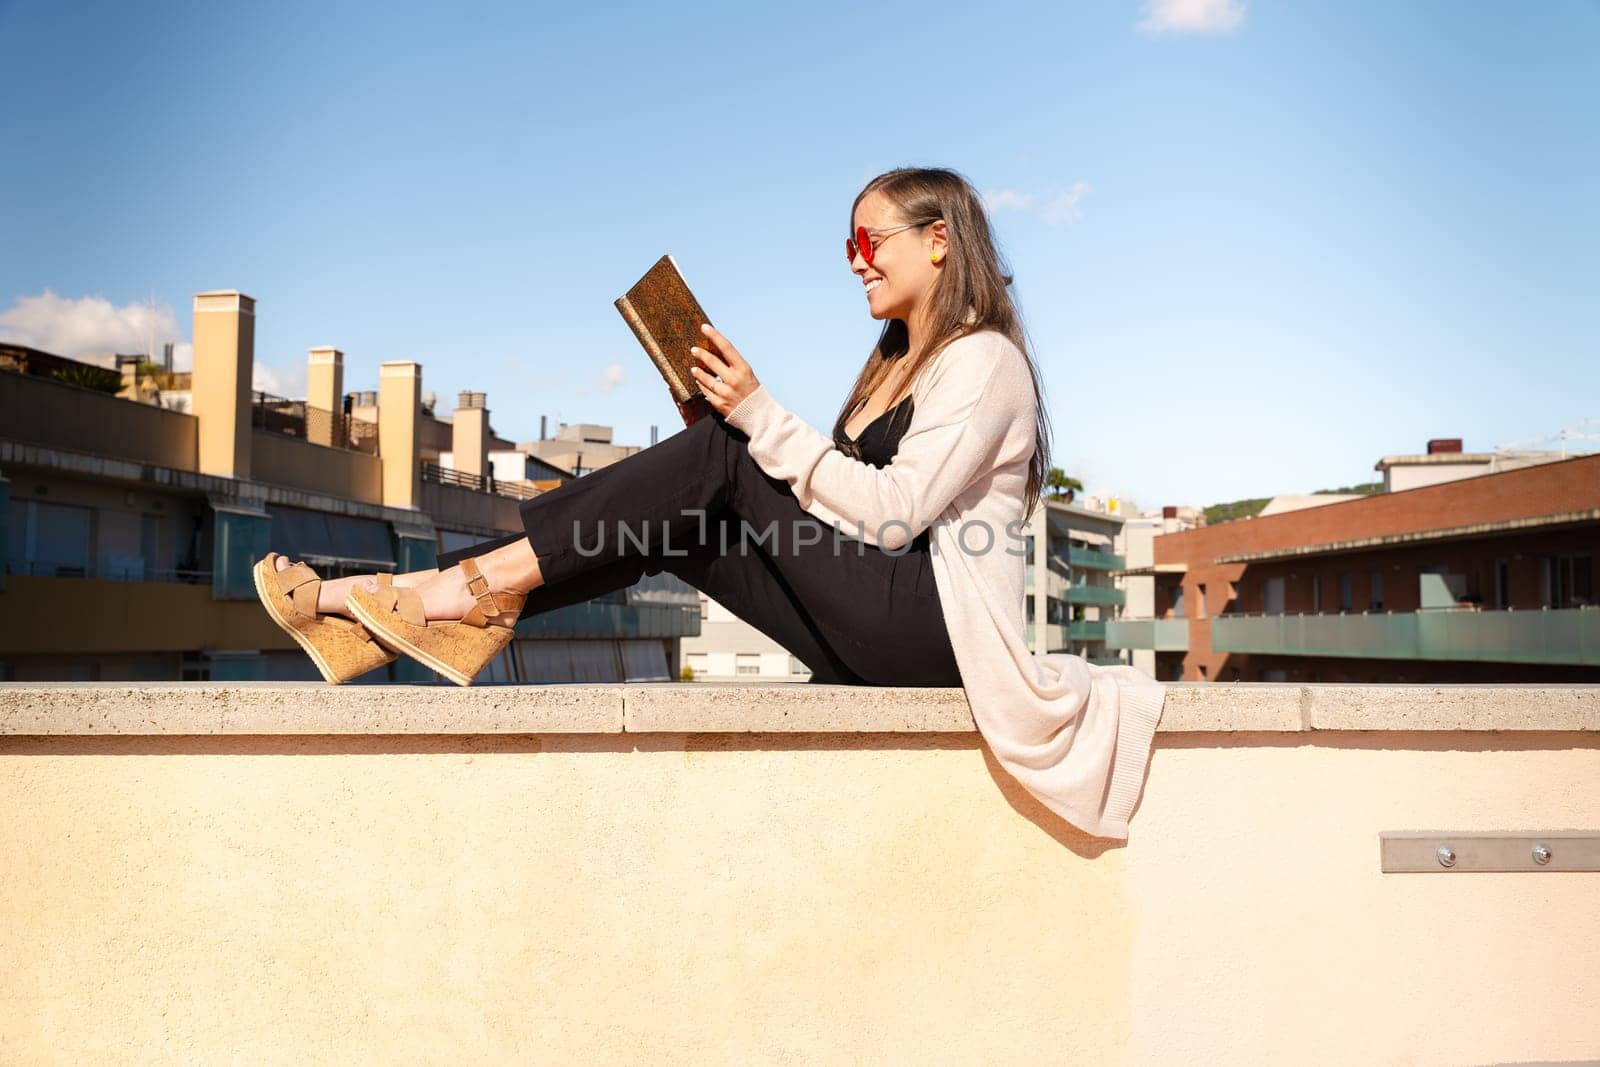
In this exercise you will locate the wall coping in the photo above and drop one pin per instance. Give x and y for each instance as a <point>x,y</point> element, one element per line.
<point>253,708</point>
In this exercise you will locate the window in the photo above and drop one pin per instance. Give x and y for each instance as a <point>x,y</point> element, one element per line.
<point>1377,591</point>
<point>1502,574</point>
<point>1582,580</point>
<point>1347,590</point>
<point>1272,596</point>
<point>1177,603</point>
<point>747,663</point>
<point>1568,581</point>
<point>49,539</point>
<point>1316,594</point>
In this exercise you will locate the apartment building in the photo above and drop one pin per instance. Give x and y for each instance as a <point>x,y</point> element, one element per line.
<point>1070,593</point>
<point>728,649</point>
<point>129,524</point>
<point>1486,577</point>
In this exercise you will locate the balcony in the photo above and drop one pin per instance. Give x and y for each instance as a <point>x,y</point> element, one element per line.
<point>1568,636</point>
<point>1162,635</point>
<point>705,873</point>
<point>1094,559</point>
<point>1087,630</point>
<point>1103,595</point>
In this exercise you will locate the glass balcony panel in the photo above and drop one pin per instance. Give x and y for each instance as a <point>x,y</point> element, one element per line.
<point>1163,635</point>
<point>1103,595</point>
<point>1569,636</point>
<point>1095,559</point>
<point>1087,630</point>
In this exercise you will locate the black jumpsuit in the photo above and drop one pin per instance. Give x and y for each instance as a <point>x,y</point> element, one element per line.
<point>853,613</point>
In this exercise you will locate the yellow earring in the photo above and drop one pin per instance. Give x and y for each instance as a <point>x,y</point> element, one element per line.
<point>933,257</point>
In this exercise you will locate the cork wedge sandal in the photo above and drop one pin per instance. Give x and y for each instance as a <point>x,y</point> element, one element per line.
<point>341,648</point>
<point>457,649</point>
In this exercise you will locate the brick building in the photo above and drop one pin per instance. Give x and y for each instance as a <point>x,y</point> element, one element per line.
<point>1486,578</point>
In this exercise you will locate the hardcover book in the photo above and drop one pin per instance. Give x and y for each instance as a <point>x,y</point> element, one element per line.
<point>666,318</point>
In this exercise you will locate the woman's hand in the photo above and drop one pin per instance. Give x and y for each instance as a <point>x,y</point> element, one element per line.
<point>726,379</point>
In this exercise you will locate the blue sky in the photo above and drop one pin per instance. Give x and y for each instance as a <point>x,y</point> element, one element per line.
<point>1257,246</point>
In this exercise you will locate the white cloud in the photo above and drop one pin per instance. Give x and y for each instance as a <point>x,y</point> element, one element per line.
<point>1007,198</point>
<point>607,380</point>
<point>92,328</point>
<point>1062,209</point>
<point>1192,16</point>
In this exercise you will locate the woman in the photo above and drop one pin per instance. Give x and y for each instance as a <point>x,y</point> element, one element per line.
<point>898,553</point>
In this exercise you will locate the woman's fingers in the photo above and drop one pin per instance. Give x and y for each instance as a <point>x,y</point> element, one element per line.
<point>722,343</point>
<point>710,360</point>
<point>726,379</point>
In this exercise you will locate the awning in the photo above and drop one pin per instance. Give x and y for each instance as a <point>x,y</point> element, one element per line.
<point>300,533</point>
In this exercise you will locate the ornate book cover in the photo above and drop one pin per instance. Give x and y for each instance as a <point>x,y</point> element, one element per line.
<point>666,318</point>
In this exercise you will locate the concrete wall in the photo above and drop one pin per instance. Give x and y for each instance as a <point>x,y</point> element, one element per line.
<point>704,874</point>
<point>45,412</point>
<point>284,460</point>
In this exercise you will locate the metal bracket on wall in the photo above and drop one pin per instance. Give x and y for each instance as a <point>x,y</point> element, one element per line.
<point>1440,851</point>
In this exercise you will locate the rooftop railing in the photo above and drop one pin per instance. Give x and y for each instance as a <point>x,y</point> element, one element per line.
<point>296,418</point>
<point>478,483</point>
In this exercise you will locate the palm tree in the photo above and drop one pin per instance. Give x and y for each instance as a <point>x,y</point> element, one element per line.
<point>1060,485</point>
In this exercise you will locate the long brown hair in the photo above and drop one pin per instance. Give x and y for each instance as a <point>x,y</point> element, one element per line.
<point>973,278</point>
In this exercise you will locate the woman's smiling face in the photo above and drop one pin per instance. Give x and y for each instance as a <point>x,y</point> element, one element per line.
<point>901,275</point>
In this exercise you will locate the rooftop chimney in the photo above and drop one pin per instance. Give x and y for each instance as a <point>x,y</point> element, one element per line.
<point>400,432</point>
<point>324,388</point>
<point>469,434</point>
<point>224,357</point>
<point>1444,444</point>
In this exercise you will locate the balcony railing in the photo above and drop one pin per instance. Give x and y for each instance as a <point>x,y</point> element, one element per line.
<point>601,619</point>
<point>1162,635</point>
<point>1103,595</point>
<point>1566,636</point>
<point>1095,559</point>
<point>478,483</point>
<point>125,572</point>
<point>1087,630</point>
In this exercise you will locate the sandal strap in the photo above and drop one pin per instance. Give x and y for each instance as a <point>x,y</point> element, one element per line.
<point>403,601</point>
<point>478,586</point>
<point>302,585</point>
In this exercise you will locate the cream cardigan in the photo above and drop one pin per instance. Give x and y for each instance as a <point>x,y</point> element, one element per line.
<point>1077,736</point>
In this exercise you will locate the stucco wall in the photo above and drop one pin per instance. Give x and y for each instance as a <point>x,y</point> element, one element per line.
<point>393,874</point>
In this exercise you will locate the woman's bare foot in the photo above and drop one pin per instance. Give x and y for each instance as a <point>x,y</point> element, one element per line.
<point>331,595</point>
